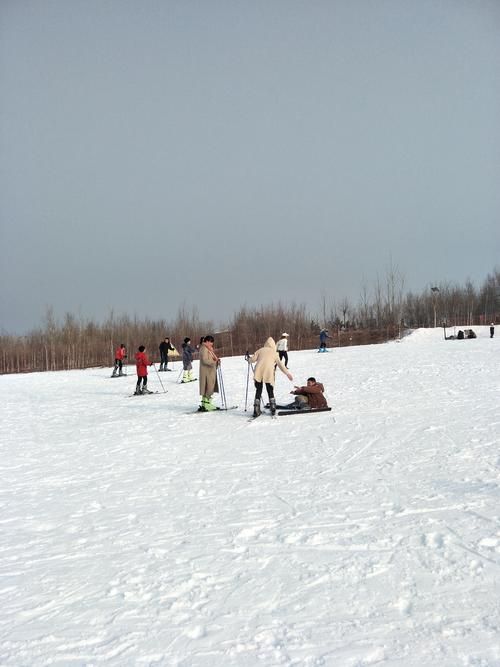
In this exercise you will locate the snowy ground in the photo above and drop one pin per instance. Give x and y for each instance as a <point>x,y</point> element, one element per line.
<point>135,532</point>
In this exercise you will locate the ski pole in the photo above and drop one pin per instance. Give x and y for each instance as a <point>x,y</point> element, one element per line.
<point>179,376</point>
<point>246,392</point>
<point>159,378</point>
<point>222,390</point>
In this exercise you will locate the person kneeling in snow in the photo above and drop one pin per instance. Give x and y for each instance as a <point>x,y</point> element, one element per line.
<point>308,397</point>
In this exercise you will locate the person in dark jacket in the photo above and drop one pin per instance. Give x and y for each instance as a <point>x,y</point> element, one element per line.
<point>187,360</point>
<point>309,396</point>
<point>323,336</point>
<point>142,362</point>
<point>165,347</point>
<point>492,329</point>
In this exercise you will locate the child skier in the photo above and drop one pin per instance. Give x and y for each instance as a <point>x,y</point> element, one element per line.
<point>120,355</point>
<point>142,362</point>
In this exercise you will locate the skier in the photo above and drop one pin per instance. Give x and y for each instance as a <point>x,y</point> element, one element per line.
<point>165,347</point>
<point>323,335</point>
<point>142,362</point>
<point>282,348</point>
<point>492,329</point>
<point>120,355</point>
<point>187,359</point>
<point>309,396</point>
<point>266,359</point>
<point>209,362</point>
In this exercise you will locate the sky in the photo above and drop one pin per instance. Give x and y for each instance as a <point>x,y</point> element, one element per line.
<point>215,154</point>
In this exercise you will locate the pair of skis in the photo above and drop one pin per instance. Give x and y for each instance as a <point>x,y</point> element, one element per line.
<point>286,413</point>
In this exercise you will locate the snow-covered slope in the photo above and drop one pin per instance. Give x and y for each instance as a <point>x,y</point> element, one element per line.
<point>136,532</point>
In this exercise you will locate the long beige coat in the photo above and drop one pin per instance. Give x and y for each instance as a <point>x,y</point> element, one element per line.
<point>266,358</point>
<point>208,373</point>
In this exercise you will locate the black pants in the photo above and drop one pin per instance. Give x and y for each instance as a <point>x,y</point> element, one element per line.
<point>118,365</point>
<point>258,390</point>
<point>144,381</point>
<point>164,358</point>
<point>283,354</point>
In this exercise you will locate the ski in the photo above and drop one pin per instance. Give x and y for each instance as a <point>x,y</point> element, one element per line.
<point>283,413</point>
<point>204,412</point>
<point>148,394</point>
<point>187,381</point>
<point>123,375</point>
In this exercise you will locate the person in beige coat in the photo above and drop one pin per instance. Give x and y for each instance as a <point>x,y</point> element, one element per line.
<point>266,359</point>
<point>208,374</point>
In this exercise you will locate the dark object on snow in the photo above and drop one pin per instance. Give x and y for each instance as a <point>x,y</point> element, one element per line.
<point>303,412</point>
<point>460,335</point>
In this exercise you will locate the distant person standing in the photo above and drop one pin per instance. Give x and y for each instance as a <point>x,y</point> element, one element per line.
<point>165,347</point>
<point>187,360</point>
<point>323,337</point>
<point>282,348</point>
<point>492,329</point>
<point>142,362</point>
<point>120,355</point>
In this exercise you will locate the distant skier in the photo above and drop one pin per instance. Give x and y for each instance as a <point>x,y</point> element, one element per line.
<point>120,355</point>
<point>187,360</point>
<point>492,329</point>
<point>208,374</point>
<point>309,396</point>
<point>142,362</point>
<point>266,359</point>
<point>323,336</point>
<point>282,348</point>
<point>165,347</point>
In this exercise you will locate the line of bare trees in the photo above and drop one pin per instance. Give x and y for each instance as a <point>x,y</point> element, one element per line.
<point>381,313</point>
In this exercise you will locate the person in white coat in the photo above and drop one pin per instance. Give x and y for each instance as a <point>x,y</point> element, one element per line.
<point>282,348</point>
<point>266,359</point>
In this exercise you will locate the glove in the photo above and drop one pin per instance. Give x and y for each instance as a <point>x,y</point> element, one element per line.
<point>247,355</point>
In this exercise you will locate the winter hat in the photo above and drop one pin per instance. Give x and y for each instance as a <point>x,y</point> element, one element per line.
<point>284,334</point>
<point>186,340</point>
<point>141,348</point>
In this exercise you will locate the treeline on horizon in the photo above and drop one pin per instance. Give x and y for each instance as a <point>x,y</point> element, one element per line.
<point>381,314</point>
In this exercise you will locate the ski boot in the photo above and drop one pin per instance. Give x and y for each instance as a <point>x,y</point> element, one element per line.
<point>256,407</point>
<point>272,405</point>
<point>185,376</point>
<point>137,391</point>
<point>206,405</point>
<point>145,390</point>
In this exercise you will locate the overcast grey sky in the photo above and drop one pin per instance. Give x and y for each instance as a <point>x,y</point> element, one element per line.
<point>219,153</point>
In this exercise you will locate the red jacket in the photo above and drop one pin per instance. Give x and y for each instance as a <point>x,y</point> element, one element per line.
<point>142,363</point>
<point>120,353</point>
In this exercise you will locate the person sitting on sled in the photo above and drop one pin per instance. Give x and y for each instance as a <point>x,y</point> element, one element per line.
<point>308,397</point>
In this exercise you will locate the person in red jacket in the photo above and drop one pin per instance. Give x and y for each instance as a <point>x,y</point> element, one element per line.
<point>142,362</point>
<point>120,355</point>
